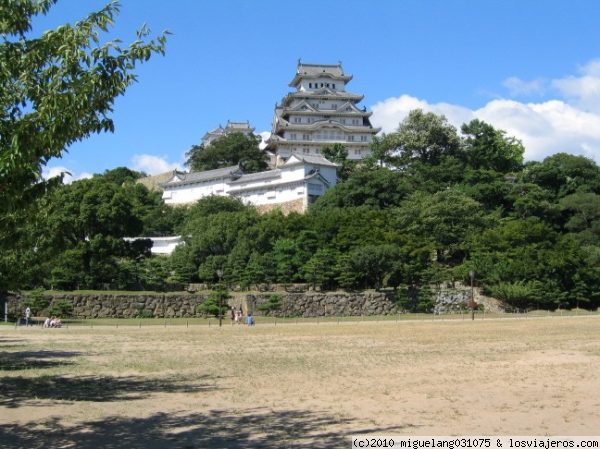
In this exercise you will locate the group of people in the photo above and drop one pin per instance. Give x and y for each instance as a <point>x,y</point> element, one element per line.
<point>53,322</point>
<point>237,316</point>
<point>49,322</point>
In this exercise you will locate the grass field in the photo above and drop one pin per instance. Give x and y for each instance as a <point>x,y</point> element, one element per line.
<point>296,385</point>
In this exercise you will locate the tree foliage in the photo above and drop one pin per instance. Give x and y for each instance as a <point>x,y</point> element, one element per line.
<point>429,211</point>
<point>231,149</point>
<point>57,88</point>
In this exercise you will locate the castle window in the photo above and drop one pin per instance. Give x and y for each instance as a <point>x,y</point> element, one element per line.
<point>305,136</point>
<point>350,138</point>
<point>305,150</point>
<point>333,105</point>
<point>363,138</point>
<point>292,136</point>
<point>297,119</point>
<point>357,152</point>
<point>310,85</point>
<point>333,85</point>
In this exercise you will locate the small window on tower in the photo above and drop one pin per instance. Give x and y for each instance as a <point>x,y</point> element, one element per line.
<point>310,85</point>
<point>333,85</point>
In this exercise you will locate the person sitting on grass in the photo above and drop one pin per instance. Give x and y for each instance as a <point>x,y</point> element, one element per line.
<point>47,322</point>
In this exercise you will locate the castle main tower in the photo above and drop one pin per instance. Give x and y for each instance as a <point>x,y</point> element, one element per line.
<point>320,112</point>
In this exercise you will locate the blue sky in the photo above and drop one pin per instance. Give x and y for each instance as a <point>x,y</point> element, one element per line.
<point>530,67</point>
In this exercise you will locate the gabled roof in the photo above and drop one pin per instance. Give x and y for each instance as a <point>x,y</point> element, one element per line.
<point>296,158</point>
<point>303,105</point>
<point>238,126</point>
<point>182,178</point>
<point>312,176</point>
<point>334,71</point>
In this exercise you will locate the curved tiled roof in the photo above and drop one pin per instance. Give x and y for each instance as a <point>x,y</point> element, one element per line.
<point>182,178</point>
<point>333,71</point>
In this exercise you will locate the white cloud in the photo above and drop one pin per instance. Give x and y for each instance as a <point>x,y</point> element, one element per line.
<point>153,165</point>
<point>264,136</point>
<point>69,175</point>
<point>583,90</point>
<point>518,87</point>
<point>389,113</point>
<point>570,125</point>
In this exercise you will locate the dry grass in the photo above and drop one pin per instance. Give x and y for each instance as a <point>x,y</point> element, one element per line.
<point>307,385</point>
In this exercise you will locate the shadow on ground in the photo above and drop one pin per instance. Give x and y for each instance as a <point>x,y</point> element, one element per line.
<point>22,360</point>
<point>256,428</point>
<point>20,391</point>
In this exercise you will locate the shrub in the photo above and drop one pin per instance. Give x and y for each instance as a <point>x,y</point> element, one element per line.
<point>61,308</point>
<point>36,301</point>
<point>272,303</point>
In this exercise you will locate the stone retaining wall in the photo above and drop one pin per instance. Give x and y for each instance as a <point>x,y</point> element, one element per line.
<point>309,304</point>
<point>315,304</point>
<point>291,304</point>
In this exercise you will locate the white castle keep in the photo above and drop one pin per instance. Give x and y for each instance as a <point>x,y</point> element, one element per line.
<point>320,112</point>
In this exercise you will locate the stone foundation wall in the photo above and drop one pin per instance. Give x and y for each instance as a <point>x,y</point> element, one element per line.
<point>315,304</point>
<point>120,305</point>
<point>298,205</point>
<point>307,304</point>
<point>296,303</point>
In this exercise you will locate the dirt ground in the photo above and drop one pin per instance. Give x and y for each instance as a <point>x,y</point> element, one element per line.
<point>297,385</point>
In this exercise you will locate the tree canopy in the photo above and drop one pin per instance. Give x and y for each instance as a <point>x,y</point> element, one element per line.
<point>55,89</point>
<point>228,150</point>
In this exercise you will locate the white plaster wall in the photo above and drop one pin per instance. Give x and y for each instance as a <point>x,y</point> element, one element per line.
<point>164,246</point>
<point>190,193</point>
<point>273,196</point>
<point>292,173</point>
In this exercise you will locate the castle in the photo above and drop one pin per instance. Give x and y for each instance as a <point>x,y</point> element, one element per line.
<point>320,112</point>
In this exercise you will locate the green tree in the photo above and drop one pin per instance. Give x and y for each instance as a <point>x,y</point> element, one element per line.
<point>320,269</point>
<point>564,174</point>
<point>56,89</point>
<point>488,148</point>
<point>36,300</point>
<point>372,263</point>
<point>216,303</point>
<point>426,137</point>
<point>232,149</point>
<point>446,219</point>
<point>379,188</point>
<point>338,154</point>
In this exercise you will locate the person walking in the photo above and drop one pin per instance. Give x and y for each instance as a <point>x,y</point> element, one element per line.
<point>250,320</point>
<point>27,316</point>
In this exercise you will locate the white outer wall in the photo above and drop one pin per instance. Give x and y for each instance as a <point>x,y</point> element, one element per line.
<point>165,245</point>
<point>160,245</point>
<point>274,196</point>
<point>190,193</point>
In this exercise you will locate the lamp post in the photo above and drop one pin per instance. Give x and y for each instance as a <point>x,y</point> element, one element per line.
<point>220,293</point>
<point>472,276</point>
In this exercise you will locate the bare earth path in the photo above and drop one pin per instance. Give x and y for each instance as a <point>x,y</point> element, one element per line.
<point>304,385</point>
